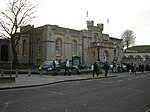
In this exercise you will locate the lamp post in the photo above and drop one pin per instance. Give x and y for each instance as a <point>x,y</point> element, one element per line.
<point>98,58</point>
<point>115,46</point>
<point>114,61</point>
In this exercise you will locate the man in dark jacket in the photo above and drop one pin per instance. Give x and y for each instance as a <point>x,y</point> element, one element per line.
<point>95,69</point>
<point>106,68</point>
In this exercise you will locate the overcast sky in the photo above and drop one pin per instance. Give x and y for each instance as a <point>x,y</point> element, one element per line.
<point>123,14</point>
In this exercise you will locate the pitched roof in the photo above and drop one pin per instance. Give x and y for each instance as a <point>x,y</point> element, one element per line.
<point>139,49</point>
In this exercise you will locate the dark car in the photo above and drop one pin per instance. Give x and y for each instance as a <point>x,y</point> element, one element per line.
<point>49,66</point>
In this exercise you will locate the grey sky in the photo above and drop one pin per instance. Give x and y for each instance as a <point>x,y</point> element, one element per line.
<point>123,14</point>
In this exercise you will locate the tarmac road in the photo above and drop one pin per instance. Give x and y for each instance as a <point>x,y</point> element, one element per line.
<point>114,94</point>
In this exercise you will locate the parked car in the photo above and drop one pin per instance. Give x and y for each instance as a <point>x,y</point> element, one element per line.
<point>119,67</point>
<point>49,66</point>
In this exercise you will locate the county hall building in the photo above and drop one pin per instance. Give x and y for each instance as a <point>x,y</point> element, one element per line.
<point>52,42</point>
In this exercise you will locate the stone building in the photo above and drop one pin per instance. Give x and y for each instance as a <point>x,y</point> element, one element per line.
<point>51,42</point>
<point>137,54</point>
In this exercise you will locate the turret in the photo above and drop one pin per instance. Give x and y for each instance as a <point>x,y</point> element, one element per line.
<point>90,24</point>
<point>100,26</point>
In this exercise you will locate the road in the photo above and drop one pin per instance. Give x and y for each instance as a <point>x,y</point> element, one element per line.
<point>116,94</point>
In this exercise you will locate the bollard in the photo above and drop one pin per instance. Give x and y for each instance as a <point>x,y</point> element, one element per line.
<point>41,72</point>
<point>10,73</point>
<point>2,73</point>
<point>16,72</point>
<point>29,72</point>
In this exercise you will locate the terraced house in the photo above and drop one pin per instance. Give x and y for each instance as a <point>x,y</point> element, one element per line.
<point>52,42</point>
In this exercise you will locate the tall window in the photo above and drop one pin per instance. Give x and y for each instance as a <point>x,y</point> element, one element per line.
<point>74,47</point>
<point>39,46</point>
<point>58,47</point>
<point>24,49</point>
<point>95,37</point>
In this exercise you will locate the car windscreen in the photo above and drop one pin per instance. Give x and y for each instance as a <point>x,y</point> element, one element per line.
<point>48,63</point>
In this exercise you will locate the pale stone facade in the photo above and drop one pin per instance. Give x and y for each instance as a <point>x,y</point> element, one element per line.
<point>139,56</point>
<point>50,42</point>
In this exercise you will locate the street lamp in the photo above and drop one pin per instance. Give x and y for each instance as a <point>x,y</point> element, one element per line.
<point>98,49</point>
<point>98,59</point>
<point>115,46</point>
<point>114,61</point>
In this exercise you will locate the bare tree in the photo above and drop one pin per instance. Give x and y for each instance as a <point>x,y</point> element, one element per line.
<point>17,14</point>
<point>128,38</point>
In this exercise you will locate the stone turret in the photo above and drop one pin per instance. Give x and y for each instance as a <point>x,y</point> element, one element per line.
<point>90,24</point>
<point>100,26</point>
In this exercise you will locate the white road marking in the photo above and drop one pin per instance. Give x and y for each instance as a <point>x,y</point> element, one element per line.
<point>5,106</point>
<point>108,82</point>
<point>148,110</point>
<point>54,92</point>
<point>120,80</point>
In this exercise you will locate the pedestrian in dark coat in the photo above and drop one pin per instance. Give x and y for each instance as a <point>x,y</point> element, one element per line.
<point>95,69</point>
<point>142,68</point>
<point>106,68</point>
<point>132,68</point>
<point>54,69</point>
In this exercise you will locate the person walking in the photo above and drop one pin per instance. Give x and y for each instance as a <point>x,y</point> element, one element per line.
<point>54,68</point>
<point>132,68</point>
<point>95,69</point>
<point>67,67</point>
<point>142,68</point>
<point>106,68</point>
<point>135,69</point>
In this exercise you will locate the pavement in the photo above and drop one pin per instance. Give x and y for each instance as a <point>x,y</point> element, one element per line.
<point>35,80</point>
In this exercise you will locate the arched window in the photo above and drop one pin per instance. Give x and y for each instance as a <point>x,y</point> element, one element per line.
<point>24,48</point>
<point>96,37</point>
<point>4,52</point>
<point>74,47</point>
<point>130,57</point>
<point>39,46</point>
<point>138,57</point>
<point>146,57</point>
<point>124,57</point>
<point>58,47</point>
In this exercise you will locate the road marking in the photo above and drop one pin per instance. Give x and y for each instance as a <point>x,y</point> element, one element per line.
<point>130,78</point>
<point>5,106</point>
<point>120,80</point>
<point>108,82</point>
<point>148,110</point>
<point>54,92</point>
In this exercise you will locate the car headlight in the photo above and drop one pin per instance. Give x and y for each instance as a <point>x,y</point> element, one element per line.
<point>49,68</point>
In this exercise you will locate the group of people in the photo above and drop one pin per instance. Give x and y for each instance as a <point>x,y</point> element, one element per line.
<point>96,68</point>
<point>133,68</point>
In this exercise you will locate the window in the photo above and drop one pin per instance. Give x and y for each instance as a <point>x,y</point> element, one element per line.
<point>58,47</point>
<point>24,49</point>
<point>74,47</point>
<point>96,37</point>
